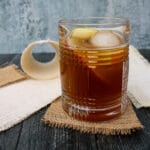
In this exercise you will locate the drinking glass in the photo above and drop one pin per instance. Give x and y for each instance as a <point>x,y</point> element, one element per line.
<point>94,67</point>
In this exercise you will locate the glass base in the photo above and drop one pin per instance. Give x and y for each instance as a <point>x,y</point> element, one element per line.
<point>93,115</point>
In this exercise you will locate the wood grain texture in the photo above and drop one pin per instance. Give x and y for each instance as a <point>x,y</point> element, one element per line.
<point>33,134</point>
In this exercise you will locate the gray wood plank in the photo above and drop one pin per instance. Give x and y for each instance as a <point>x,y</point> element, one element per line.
<point>145,53</point>
<point>33,134</point>
<point>137,141</point>
<point>9,139</point>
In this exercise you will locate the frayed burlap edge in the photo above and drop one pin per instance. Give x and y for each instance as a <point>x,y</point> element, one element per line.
<point>11,74</point>
<point>125,124</point>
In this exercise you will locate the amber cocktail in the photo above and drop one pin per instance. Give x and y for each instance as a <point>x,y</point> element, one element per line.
<point>94,67</point>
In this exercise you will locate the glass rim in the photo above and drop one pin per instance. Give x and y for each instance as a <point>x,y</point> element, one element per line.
<point>81,21</point>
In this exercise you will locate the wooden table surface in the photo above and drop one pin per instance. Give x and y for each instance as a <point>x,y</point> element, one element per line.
<point>33,134</point>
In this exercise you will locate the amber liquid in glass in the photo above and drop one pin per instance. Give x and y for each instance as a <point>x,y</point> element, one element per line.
<point>94,82</point>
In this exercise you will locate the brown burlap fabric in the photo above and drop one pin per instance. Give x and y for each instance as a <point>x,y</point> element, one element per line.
<point>11,74</point>
<point>125,124</point>
<point>55,116</point>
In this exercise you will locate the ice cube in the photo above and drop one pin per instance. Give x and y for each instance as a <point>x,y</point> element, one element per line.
<point>106,39</point>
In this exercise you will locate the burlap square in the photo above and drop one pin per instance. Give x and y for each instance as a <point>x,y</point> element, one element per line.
<point>11,74</point>
<point>125,124</point>
<point>55,116</point>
